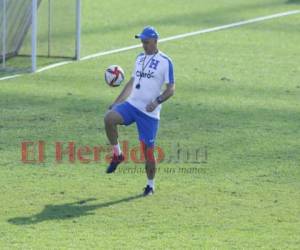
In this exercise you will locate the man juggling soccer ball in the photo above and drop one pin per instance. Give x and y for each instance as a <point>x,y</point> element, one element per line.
<point>140,102</point>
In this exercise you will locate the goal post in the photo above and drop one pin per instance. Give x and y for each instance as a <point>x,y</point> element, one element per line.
<point>78,29</point>
<point>38,32</point>
<point>34,8</point>
<point>3,33</point>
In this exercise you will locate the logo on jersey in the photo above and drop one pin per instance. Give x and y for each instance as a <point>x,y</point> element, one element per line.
<point>141,74</point>
<point>150,74</point>
<point>153,64</point>
<point>141,60</point>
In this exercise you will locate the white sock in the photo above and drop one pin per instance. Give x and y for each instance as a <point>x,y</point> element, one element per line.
<point>151,183</point>
<point>117,149</point>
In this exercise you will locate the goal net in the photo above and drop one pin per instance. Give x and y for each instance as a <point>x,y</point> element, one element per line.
<point>36,33</point>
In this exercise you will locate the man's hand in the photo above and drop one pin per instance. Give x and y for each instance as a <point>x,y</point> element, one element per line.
<point>151,106</point>
<point>169,91</point>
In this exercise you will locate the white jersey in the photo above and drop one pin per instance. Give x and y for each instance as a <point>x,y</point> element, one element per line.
<point>150,73</point>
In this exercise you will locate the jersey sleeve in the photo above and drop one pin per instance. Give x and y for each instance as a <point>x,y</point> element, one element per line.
<point>169,72</point>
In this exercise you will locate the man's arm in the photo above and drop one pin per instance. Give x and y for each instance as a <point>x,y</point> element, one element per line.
<point>169,91</point>
<point>125,92</point>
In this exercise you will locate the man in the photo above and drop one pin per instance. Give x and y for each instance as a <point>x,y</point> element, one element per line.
<point>140,102</point>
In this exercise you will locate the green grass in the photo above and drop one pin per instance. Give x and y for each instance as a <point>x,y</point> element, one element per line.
<point>237,94</point>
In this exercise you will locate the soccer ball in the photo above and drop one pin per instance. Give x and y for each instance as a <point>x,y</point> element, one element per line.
<point>114,75</point>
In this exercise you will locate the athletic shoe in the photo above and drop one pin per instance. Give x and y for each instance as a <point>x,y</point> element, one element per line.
<point>115,161</point>
<point>148,190</point>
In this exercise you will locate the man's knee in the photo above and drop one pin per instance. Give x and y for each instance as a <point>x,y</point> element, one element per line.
<point>112,118</point>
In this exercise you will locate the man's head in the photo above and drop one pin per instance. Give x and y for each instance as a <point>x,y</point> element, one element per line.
<point>149,37</point>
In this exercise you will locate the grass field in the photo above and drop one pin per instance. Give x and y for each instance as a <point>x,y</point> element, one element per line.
<point>237,95</point>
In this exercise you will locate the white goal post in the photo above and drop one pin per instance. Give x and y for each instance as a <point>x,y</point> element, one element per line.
<point>30,27</point>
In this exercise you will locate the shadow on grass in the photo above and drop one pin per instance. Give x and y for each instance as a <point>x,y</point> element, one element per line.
<point>67,211</point>
<point>209,17</point>
<point>21,64</point>
<point>14,71</point>
<point>293,1</point>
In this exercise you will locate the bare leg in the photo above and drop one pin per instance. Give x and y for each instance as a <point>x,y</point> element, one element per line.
<point>111,120</point>
<point>150,162</point>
